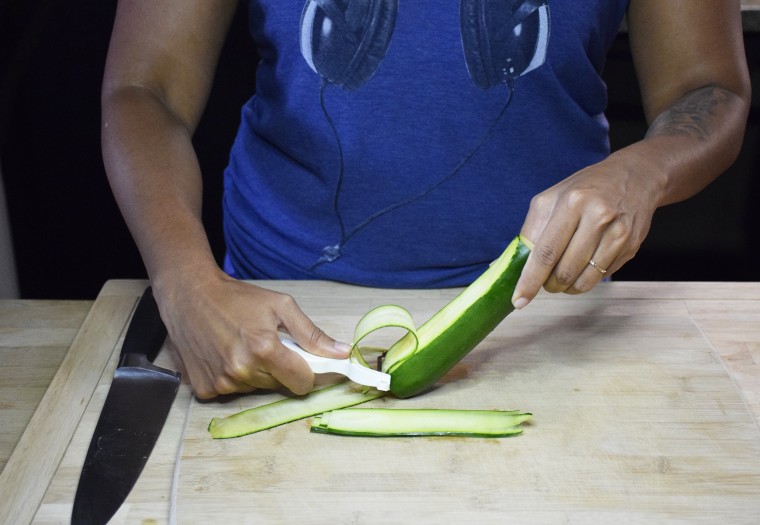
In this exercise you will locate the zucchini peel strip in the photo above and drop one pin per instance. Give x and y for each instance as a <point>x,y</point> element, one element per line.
<point>390,422</point>
<point>291,409</point>
<point>385,316</point>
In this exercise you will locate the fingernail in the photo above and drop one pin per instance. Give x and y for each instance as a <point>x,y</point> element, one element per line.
<point>342,348</point>
<point>520,302</point>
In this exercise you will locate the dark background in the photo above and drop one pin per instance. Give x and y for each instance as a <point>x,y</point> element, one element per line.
<point>69,237</point>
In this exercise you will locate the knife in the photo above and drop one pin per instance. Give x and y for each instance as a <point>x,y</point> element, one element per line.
<point>133,415</point>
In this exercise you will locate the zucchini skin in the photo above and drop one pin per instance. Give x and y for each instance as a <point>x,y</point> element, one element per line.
<point>434,358</point>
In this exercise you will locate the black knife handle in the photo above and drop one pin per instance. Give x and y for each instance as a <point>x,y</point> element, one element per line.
<point>146,332</point>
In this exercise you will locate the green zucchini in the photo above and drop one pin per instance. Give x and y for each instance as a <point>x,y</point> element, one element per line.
<point>418,360</point>
<point>415,362</point>
<point>387,422</point>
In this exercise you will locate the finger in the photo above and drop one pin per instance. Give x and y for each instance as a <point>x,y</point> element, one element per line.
<point>591,275</point>
<point>546,253</point>
<point>609,256</point>
<point>287,368</point>
<point>308,335</point>
<point>224,385</point>
<point>261,362</point>
<point>201,381</point>
<point>570,271</point>
<point>598,270</point>
<point>207,385</point>
<point>538,216</point>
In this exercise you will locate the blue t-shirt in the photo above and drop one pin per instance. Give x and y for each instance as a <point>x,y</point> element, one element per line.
<point>398,143</point>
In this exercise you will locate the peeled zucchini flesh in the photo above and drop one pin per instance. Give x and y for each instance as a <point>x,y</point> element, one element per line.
<point>419,359</point>
<point>387,422</point>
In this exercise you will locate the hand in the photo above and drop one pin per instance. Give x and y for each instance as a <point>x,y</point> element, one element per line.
<point>601,213</point>
<point>226,332</point>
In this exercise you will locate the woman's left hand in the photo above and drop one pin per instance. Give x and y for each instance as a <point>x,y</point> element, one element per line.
<point>601,214</point>
<point>692,71</point>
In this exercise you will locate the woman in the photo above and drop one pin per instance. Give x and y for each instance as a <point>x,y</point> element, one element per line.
<point>403,144</point>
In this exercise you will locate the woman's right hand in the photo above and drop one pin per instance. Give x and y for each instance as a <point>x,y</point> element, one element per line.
<point>226,332</point>
<point>160,68</point>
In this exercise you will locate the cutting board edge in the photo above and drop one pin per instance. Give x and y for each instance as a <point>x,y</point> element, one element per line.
<point>36,457</point>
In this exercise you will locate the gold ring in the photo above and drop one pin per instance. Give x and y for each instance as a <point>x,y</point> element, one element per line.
<point>597,267</point>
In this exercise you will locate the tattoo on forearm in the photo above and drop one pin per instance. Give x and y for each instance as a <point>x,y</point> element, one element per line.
<point>692,115</point>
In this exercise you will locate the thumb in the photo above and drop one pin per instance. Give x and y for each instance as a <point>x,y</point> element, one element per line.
<point>311,338</point>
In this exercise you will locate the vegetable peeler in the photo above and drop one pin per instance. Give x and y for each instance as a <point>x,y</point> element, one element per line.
<point>355,371</point>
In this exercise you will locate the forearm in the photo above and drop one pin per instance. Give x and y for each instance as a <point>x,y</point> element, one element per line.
<point>692,142</point>
<point>603,212</point>
<point>691,66</point>
<point>156,180</point>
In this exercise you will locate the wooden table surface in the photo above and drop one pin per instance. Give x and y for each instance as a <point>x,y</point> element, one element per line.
<point>34,338</point>
<point>694,349</point>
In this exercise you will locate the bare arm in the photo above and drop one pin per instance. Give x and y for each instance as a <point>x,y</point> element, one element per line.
<point>158,75</point>
<point>689,57</point>
<point>159,72</point>
<point>696,94</point>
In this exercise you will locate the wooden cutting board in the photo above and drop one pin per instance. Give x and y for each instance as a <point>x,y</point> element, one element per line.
<point>636,421</point>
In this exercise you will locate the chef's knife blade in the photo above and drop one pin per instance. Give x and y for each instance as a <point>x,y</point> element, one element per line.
<point>133,415</point>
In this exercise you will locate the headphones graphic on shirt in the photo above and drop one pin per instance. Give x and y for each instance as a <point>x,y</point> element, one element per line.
<point>344,42</point>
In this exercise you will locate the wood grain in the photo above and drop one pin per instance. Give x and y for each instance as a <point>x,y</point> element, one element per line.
<point>26,475</point>
<point>34,338</point>
<point>636,421</point>
<point>643,395</point>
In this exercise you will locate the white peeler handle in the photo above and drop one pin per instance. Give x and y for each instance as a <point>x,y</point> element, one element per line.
<point>354,371</point>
